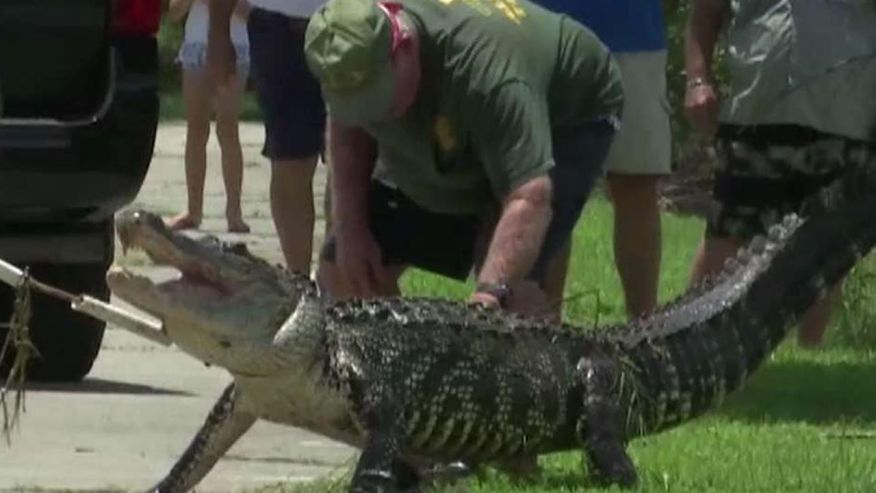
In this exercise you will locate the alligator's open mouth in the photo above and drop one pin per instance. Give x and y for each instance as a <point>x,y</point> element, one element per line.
<point>206,269</point>
<point>223,307</point>
<point>122,281</point>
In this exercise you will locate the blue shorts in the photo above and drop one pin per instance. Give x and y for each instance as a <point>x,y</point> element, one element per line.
<point>289,95</point>
<point>446,244</point>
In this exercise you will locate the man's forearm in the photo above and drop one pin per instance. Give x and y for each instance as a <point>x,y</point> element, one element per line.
<point>519,234</point>
<point>351,155</point>
<point>701,34</point>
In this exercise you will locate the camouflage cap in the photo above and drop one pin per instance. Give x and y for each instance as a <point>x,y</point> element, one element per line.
<point>348,49</point>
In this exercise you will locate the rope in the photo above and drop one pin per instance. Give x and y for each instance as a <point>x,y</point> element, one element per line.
<point>18,342</point>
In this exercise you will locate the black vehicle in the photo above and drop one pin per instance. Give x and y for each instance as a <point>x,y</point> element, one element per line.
<point>78,115</point>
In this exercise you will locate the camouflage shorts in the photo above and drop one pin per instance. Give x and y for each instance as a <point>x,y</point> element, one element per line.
<point>765,172</point>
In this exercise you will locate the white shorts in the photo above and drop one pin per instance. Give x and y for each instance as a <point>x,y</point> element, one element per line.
<point>193,56</point>
<point>643,146</point>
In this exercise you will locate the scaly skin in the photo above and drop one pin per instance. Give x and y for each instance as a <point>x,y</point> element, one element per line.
<point>409,380</point>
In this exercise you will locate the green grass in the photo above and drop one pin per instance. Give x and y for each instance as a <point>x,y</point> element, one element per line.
<point>805,423</point>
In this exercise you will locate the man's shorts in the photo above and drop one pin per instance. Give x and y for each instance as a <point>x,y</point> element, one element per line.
<point>643,145</point>
<point>289,95</point>
<point>447,244</point>
<point>767,171</point>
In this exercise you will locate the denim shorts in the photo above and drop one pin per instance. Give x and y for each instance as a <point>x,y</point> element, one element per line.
<point>289,95</point>
<point>446,244</point>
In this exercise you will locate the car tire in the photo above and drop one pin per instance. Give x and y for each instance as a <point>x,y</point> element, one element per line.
<point>67,341</point>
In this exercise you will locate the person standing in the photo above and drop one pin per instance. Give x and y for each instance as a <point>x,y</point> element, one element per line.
<point>491,125</point>
<point>294,112</point>
<point>635,32</point>
<point>202,97</point>
<point>800,110</point>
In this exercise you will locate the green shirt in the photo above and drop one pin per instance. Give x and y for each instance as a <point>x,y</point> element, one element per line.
<point>497,77</point>
<point>803,62</point>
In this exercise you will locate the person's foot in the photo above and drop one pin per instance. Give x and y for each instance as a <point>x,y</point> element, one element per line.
<point>237,225</point>
<point>183,221</point>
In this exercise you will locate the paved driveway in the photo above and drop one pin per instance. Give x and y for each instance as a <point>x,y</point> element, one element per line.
<point>123,427</point>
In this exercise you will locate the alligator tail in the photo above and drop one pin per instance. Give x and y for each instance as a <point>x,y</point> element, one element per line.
<point>687,357</point>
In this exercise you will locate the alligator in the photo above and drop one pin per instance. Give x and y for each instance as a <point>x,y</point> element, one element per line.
<point>414,381</point>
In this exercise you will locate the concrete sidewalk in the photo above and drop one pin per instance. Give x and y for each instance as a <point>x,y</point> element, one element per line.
<point>125,425</point>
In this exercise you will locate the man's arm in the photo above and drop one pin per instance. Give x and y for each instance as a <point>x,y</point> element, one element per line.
<point>221,57</point>
<point>701,35</point>
<point>512,127</point>
<point>519,233</point>
<point>351,155</point>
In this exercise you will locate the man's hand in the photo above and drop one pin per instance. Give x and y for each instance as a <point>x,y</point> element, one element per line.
<point>525,298</point>
<point>701,107</point>
<point>703,27</point>
<point>515,245</point>
<point>485,299</point>
<point>359,259</point>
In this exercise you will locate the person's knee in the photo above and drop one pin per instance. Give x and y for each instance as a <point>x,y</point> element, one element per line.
<point>227,135</point>
<point>197,131</point>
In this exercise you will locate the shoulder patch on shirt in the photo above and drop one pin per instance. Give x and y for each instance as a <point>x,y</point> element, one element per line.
<point>444,134</point>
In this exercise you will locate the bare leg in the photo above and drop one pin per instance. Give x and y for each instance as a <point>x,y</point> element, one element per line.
<point>292,209</point>
<point>196,95</point>
<point>710,257</point>
<point>637,239</point>
<point>227,120</point>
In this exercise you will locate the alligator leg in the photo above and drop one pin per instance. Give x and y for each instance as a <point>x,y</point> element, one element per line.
<point>600,428</point>
<point>429,475</point>
<point>406,476</point>
<point>223,426</point>
<point>380,461</point>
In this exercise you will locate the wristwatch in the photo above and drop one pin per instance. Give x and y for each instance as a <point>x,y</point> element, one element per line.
<point>697,82</point>
<point>499,290</point>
